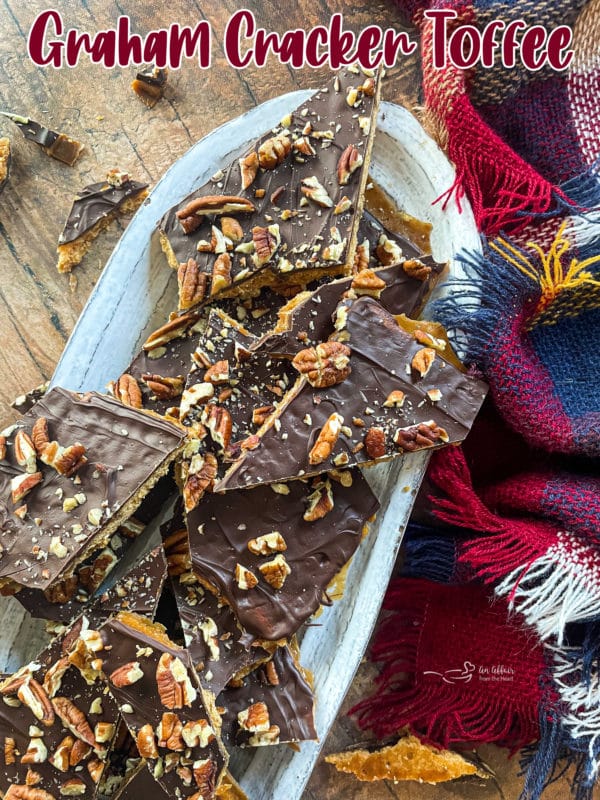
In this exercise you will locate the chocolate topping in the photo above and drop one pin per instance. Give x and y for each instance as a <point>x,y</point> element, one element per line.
<point>222,526</point>
<point>57,145</point>
<point>47,540</point>
<point>381,357</point>
<point>94,203</point>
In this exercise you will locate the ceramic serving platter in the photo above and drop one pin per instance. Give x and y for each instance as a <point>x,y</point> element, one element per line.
<point>135,293</point>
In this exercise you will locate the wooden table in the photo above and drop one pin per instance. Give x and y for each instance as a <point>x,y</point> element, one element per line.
<point>38,308</point>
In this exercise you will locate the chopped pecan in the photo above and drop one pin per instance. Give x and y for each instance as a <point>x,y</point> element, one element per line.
<point>217,372</point>
<point>170,330</point>
<point>221,274</point>
<point>37,752</point>
<point>74,720</point>
<point>2,448</point>
<point>218,421</point>
<point>197,733</point>
<point>54,676</point>
<point>375,443</point>
<point>24,451</point>
<point>169,732</point>
<point>126,674</point>
<point>422,360</point>
<point>32,778</point>
<point>39,434</point>
<point>192,284</point>
<point>274,151</point>
<point>388,252</point>
<point>79,751</point>
<point>343,205</point>
<point>349,162</point>
<point>200,478</point>
<point>368,87</point>
<point>320,502</point>
<point>312,188</point>
<point>21,485</point>
<point>104,731</point>
<point>127,390</point>
<point>10,748</point>
<point>259,415</point>
<point>61,757</point>
<point>146,744</point>
<point>395,399</point>
<point>362,256</point>
<point>232,229</point>
<point>324,365</point>
<point>367,282</point>
<point>245,578</point>
<point>73,787</point>
<point>63,591</point>
<point>267,543</point>
<point>416,437</point>
<point>174,686</point>
<point>19,792</point>
<point>303,145</point>
<point>190,216</point>
<point>275,571</point>
<point>205,775</point>
<point>416,269</point>
<point>326,440</point>
<point>248,169</point>
<point>255,718</point>
<point>95,767</point>
<point>34,696</point>
<point>164,388</point>
<point>271,673</point>
<point>266,241</point>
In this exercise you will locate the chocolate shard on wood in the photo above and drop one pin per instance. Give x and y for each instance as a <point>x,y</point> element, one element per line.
<point>58,145</point>
<point>5,161</point>
<point>24,402</point>
<point>94,208</point>
<point>173,720</point>
<point>288,210</point>
<point>75,468</point>
<point>373,394</point>
<point>273,704</point>
<point>149,85</point>
<point>271,552</point>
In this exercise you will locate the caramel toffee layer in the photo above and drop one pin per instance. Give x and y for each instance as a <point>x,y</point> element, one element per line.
<point>271,552</point>
<point>57,145</point>
<point>302,179</point>
<point>89,471</point>
<point>174,724</point>
<point>94,203</point>
<point>395,394</point>
<point>274,705</point>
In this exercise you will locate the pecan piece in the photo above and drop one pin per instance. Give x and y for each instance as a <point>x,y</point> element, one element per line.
<point>248,169</point>
<point>174,686</point>
<point>326,440</point>
<point>197,733</point>
<point>416,437</point>
<point>416,269</point>
<point>63,591</point>
<point>320,502</point>
<point>126,674</point>
<point>74,787</point>
<point>146,743</point>
<point>190,216</point>
<point>231,228</point>
<point>274,151</point>
<point>367,282</point>
<point>39,435</point>
<point>349,162</point>
<point>19,792</point>
<point>34,696</point>
<point>79,751</point>
<point>324,365</point>
<point>65,460</point>
<point>54,676</point>
<point>201,476</point>
<point>267,543</point>
<point>217,372</point>
<point>74,720</point>
<point>21,485</point>
<point>164,388</point>
<point>171,330</point>
<point>395,399</point>
<point>245,578</point>
<point>10,747</point>
<point>24,451</point>
<point>275,571</point>
<point>169,732</point>
<point>259,415</point>
<point>375,442</point>
<point>266,241</point>
<point>205,774</point>
<point>2,448</point>
<point>61,757</point>
<point>219,424</point>
<point>388,252</point>
<point>192,284</point>
<point>95,769</point>
<point>221,274</point>
<point>255,718</point>
<point>37,752</point>
<point>422,360</point>
<point>127,390</point>
<point>312,188</point>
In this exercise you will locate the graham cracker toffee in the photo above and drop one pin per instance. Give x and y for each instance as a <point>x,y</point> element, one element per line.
<point>288,209</point>
<point>58,145</point>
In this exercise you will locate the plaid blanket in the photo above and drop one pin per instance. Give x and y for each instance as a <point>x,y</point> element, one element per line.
<point>515,514</point>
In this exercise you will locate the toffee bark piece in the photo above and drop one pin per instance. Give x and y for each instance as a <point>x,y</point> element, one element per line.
<point>149,85</point>
<point>407,760</point>
<point>58,145</point>
<point>271,552</point>
<point>94,208</point>
<point>24,402</point>
<point>141,783</point>
<point>273,705</point>
<point>399,396</point>
<point>296,196</point>
<point>92,462</point>
<point>5,161</point>
<point>174,722</point>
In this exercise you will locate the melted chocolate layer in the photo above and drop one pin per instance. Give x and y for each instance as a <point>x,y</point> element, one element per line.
<point>95,202</point>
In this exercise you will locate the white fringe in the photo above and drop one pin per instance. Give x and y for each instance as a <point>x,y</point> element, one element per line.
<point>559,587</point>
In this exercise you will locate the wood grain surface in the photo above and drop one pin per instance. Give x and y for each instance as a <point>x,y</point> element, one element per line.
<point>37,306</point>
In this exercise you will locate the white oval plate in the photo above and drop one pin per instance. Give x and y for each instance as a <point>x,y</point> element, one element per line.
<point>135,293</point>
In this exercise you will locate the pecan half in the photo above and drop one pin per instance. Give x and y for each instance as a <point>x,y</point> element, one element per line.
<point>218,421</point>
<point>248,169</point>
<point>39,434</point>
<point>18,792</point>
<point>164,388</point>
<point>275,571</point>
<point>24,451</point>
<point>126,674</point>
<point>190,216</point>
<point>34,696</point>
<point>21,485</point>
<point>324,365</point>
<point>416,437</point>
<point>127,390</point>
<point>312,188</point>
<point>422,361</point>
<point>174,686</point>
<point>205,774</point>
<point>200,478</point>
<point>349,162</point>
<point>170,330</point>
<point>367,282</point>
<point>192,284</point>
<point>375,443</point>
<point>416,269</point>
<point>266,241</point>
<point>169,732</point>
<point>74,720</point>
<point>274,151</point>
<point>146,744</point>
<point>232,229</point>
<point>326,440</point>
<point>221,274</point>
<point>320,502</point>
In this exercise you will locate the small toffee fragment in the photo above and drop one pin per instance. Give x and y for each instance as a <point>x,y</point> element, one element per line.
<point>58,145</point>
<point>149,85</point>
<point>5,159</point>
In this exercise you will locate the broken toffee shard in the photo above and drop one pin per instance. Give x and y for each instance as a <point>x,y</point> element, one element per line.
<point>58,145</point>
<point>149,85</point>
<point>377,392</point>
<point>275,570</point>
<point>5,161</point>
<point>289,208</point>
<point>73,470</point>
<point>94,208</point>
